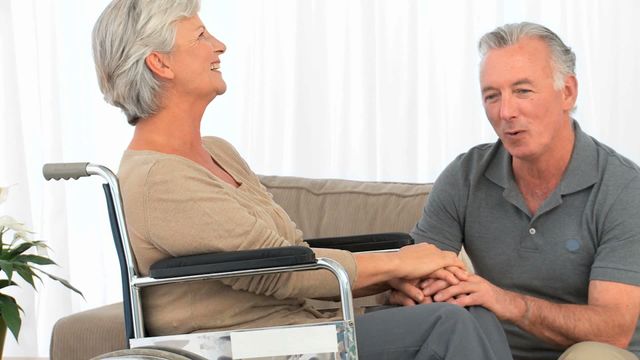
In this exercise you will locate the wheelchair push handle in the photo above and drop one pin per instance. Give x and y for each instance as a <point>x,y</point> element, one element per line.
<point>57,171</point>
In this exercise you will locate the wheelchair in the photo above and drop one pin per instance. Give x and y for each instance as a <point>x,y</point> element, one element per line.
<point>323,340</point>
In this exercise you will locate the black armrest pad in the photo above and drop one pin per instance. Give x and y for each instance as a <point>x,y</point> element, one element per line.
<point>367,242</point>
<point>231,261</point>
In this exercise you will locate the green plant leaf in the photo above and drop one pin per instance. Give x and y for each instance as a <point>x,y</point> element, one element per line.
<point>63,282</point>
<point>7,267</point>
<point>36,259</point>
<point>26,272</point>
<point>14,260</point>
<point>10,314</point>
<point>20,249</point>
<point>5,283</point>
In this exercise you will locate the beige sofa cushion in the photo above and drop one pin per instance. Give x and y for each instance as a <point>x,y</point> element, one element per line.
<point>87,334</point>
<point>329,207</point>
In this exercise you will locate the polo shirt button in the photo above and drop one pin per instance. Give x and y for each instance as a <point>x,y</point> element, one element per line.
<point>532,231</point>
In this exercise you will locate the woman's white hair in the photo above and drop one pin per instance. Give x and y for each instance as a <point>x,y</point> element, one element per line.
<point>562,57</point>
<point>126,32</point>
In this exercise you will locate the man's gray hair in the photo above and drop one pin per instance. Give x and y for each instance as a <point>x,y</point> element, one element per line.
<point>124,35</point>
<point>562,59</point>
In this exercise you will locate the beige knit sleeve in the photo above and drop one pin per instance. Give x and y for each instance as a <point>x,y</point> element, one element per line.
<point>188,212</point>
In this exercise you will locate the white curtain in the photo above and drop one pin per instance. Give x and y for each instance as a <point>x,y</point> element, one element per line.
<point>359,89</point>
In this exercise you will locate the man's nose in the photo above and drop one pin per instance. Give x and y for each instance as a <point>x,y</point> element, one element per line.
<point>507,107</point>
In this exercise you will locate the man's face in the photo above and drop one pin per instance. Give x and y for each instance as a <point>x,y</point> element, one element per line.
<point>519,98</point>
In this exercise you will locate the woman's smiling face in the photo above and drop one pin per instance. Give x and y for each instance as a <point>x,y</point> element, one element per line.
<point>195,59</point>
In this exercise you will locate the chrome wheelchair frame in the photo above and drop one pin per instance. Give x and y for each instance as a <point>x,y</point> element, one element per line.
<point>199,345</point>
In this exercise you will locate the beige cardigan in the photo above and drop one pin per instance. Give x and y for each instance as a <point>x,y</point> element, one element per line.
<point>176,207</point>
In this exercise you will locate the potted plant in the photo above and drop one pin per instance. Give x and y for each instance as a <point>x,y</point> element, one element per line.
<point>17,257</point>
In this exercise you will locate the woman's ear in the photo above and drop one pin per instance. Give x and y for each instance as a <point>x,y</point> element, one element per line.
<point>157,63</point>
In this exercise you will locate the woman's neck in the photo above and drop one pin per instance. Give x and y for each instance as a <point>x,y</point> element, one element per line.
<point>174,129</point>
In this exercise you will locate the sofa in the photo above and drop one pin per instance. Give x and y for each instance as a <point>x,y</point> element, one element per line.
<point>319,207</point>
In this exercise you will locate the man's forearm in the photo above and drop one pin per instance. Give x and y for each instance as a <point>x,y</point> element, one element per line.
<point>609,317</point>
<point>567,324</point>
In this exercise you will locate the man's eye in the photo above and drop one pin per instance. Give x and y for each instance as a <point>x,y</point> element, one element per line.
<point>202,35</point>
<point>490,98</point>
<point>522,91</point>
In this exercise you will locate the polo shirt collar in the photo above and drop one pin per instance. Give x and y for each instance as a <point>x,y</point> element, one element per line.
<point>581,172</point>
<point>583,167</point>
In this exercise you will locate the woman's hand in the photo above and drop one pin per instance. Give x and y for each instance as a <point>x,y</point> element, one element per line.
<point>420,260</point>
<point>410,262</point>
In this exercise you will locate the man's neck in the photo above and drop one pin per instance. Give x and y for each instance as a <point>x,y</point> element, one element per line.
<point>550,164</point>
<point>537,178</point>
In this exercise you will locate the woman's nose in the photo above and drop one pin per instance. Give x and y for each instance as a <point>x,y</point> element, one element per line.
<point>218,46</point>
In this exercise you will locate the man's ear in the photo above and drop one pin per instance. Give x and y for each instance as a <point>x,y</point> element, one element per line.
<point>158,64</point>
<point>570,92</point>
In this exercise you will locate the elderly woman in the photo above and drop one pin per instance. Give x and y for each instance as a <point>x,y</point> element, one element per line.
<point>186,194</point>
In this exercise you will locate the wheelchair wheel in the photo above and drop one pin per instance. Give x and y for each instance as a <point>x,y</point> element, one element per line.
<point>150,353</point>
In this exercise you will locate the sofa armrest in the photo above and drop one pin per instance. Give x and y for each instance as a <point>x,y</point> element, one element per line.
<point>367,242</point>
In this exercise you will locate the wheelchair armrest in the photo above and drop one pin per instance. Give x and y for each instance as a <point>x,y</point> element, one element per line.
<point>218,262</point>
<point>367,242</point>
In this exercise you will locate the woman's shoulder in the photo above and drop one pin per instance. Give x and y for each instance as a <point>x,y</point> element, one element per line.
<point>221,148</point>
<point>142,164</point>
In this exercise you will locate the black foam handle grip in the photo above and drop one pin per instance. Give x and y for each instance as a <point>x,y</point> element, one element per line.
<point>57,171</point>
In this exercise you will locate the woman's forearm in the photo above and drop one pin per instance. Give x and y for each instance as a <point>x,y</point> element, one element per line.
<point>375,268</point>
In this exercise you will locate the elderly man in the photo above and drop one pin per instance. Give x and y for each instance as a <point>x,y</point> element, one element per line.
<point>548,215</point>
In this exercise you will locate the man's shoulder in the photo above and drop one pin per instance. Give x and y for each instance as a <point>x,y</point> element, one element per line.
<point>616,177</point>
<point>476,159</point>
<point>611,160</point>
<point>480,152</point>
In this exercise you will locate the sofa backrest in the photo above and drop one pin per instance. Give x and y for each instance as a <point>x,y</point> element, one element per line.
<point>329,207</point>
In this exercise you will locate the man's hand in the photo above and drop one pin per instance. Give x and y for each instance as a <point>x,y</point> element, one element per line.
<point>478,291</point>
<point>410,292</point>
<point>407,293</point>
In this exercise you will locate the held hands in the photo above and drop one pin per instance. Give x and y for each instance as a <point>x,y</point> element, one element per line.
<point>465,290</point>
<point>414,291</point>
<point>423,261</point>
<point>426,274</point>
<point>477,291</point>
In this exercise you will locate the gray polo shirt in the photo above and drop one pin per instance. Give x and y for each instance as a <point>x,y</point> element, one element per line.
<point>588,228</point>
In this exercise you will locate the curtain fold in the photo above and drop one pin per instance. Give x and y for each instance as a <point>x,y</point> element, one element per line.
<point>359,89</point>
